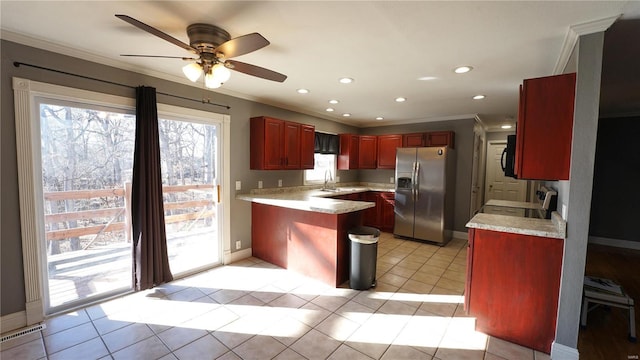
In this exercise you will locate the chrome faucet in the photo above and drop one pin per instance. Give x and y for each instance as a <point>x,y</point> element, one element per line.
<point>327,179</point>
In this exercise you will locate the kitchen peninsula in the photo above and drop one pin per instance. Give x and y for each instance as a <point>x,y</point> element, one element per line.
<point>305,230</point>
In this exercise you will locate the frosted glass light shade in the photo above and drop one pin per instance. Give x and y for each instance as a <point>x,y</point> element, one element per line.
<point>192,71</point>
<point>211,82</point>
<point>220,73</point>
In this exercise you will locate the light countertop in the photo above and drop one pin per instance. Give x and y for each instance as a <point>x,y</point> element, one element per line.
<point>556,227</point>
<point>317,200</point>
<point>514,204</point>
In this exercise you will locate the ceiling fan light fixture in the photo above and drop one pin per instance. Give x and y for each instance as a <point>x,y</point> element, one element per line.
<point>220,73</point>
<point>211,82</point>
<point>192,71</point>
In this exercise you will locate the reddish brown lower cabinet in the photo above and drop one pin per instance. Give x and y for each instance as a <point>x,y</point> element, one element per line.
<point>382,216</point>
<point>387,216</point>
<point>513,284</point>
<point>310,243</point>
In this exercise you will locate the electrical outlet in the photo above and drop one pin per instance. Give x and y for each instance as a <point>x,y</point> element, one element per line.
<point>238,245</point>
<point>337,178</point>
<point>279,182</point>
<point>259,184</point>
<point>238,185</point>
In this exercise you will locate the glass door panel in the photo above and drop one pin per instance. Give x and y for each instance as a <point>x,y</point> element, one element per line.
<point>86,161</point>
<point>190,173</point>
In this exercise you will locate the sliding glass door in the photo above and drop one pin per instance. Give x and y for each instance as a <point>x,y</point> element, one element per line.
<point>86,161</point>
<point>190,154</point>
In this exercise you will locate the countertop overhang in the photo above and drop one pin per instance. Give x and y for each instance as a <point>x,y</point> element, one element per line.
<point>556,227</point>
<point>316,200</point>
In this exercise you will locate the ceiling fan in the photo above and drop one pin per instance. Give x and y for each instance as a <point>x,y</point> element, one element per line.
<point>213,47</point>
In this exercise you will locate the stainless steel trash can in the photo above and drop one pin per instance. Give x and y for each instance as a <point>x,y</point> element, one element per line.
<point>364,253</point>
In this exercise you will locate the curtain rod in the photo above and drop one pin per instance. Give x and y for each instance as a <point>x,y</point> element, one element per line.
<point>203,101</point>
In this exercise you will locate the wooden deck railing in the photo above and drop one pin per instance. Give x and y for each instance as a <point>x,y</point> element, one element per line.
<point>114,213</point>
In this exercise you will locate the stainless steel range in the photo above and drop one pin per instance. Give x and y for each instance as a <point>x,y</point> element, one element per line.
<point>545,203</point>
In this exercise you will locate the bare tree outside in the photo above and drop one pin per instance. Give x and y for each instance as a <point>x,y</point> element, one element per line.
<point>87,160</point>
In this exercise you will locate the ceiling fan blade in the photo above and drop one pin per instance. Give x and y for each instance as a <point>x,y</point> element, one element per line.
<point>160,56</point>
<point>242,45</point>
<point>256,71</point>
<point>156,32</point>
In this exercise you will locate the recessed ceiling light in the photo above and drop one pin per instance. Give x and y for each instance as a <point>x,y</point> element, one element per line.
<point>346,80</point>
<point>479,97</point>
<point>303,91</point>
<point>506,126</point>
<point>462,69</point>
<point>329,109</point>
<point>333,101</point>
<point>379,118</point>
<point>401,99</point>
<point>346,114</point>
<point>427,78</point>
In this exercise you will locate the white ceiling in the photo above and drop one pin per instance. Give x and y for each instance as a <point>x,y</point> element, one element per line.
<point>384,45</point>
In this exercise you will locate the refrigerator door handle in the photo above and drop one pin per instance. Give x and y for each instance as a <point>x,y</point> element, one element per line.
<point>414,189</point>
<point>417,181</point>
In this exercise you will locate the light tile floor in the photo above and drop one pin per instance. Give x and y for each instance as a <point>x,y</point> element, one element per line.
<point>254,310</point>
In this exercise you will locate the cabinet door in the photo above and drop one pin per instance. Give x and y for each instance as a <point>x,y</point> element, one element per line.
<point>545,126</point>
<point>413,140</point>
<point>368,153</point>
<point>370,216</point>
<point>266,143</point>
<point>441,138</point>
<point>349,154</point>
<point>291,149</point>
<point>307,142</point>
<point>387,214</point>
<point>514,286</point>
<point>387,145</point>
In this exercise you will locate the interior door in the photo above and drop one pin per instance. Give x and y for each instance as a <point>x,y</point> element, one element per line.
<point>501,187</point>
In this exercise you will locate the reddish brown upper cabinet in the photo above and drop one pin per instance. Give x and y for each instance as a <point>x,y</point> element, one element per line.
<point>277,144</point>
<point>307,145</point>
<point>367,151</point>
<point>441,138</point>
<point>513,284</point>
<point>348,156</point>
<point>433,138</point>
<point>545,125</point>
<point>387,145</point>
<point>413,140</point>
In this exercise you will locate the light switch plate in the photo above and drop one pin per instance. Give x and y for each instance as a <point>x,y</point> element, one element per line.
<point>279,182</point>
<point>238,185</point>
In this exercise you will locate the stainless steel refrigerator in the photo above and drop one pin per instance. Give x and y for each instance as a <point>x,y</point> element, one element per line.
<point>424,193</point>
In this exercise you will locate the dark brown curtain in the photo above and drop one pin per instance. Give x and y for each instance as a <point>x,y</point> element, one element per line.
<point>150,260</point>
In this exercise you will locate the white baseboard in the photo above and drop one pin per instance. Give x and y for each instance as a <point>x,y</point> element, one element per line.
<point>460,235</point>
<point>13,321</point>
<point>238,255</point>
<point>563,352</point>
<point>626,244</point>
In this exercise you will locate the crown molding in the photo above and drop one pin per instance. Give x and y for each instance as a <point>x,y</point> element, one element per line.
<point>574,32</point>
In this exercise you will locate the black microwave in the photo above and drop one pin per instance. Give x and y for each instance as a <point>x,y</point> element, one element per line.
<point>508,158</point>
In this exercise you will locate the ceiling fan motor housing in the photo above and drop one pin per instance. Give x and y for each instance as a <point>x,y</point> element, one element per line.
<point>206,37</point>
